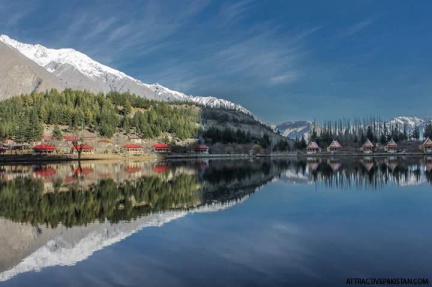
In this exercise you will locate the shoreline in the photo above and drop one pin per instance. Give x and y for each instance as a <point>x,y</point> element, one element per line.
<point>35,159</point>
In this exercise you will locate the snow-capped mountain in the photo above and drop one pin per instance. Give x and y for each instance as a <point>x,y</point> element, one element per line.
<point>295,129</point>
<point>78,71</point>
<point>409,122</point>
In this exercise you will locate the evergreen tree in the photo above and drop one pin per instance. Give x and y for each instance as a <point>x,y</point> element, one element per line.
<point>416,133</point>
<point>57,133</point>
<point>428,131</point>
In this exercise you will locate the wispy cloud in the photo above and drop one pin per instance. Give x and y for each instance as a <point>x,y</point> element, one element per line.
<point>12,13</point>
<point>270,57</point>
<point>357,27</point>
<point>235,11</point>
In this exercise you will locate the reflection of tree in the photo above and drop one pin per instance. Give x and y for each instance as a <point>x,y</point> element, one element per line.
<point>373,173</point>
<point>24,200</point>
<point>225,181</point>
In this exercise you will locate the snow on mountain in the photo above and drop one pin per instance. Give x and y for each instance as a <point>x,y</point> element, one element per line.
<point>410,122</point>
<point>78,71</point>
<point>295,129</point>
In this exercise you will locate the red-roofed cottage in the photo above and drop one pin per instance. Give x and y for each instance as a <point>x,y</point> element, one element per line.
<point>85,149</point>
<point>70,138</point>
<point>133,149</point>
<point>367,147</point>
<point>161,148</point>
<point>44,149</point>
<point>201,148</point>
<point>312,148</point>
<point>391,146</point>
<point>334,146</point>
<point>427,146</point>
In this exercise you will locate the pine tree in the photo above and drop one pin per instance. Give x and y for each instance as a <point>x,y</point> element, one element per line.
<point>428,131</point>
<point>416,133</point>
<point>57,133</point>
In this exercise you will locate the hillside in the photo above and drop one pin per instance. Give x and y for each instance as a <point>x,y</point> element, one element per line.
<point>124,117</point>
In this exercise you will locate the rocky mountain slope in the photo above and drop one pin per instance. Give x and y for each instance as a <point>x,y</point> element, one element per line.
<point>76,70</point>
<point>19,75</point>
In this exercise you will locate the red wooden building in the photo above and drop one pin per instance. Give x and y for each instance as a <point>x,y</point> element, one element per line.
<point>427,146</point>
<point>391,146</point>
<point>334,146</point>
<point>201,148</point>
<point>44,148</point>
<point>85,149</point>
<point>161,148</point>
<point>367,147</point>
<point>133,149</point>
<point>312,148</point>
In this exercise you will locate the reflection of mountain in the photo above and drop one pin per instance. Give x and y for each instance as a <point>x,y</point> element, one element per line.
<point>34,248</point>
<point>83,209</point>
<point>73,218</point>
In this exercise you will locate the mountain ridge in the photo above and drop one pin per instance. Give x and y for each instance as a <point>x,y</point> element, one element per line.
<point>78,71</point>
<point>297,129</point>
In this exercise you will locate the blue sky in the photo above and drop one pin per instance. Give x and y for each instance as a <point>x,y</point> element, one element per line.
<point>283,60</point>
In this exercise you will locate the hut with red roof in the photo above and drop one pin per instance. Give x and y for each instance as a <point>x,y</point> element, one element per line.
<point>161,148</point>
<point>334,146</point>
<point>85,149</point>
<point>201,148</point>
<point>70,138</point>
<point>44,149</point>
<point>132,149</point>
<point>367,147</point>
<point>427,146</point>
<point>391,146</point>
<point>312,148</point>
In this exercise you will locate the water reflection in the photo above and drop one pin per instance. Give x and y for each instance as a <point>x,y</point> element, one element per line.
<point>365,172</point>
<point>60,214</point>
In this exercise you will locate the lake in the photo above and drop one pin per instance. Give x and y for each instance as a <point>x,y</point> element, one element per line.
<point>314,222</point>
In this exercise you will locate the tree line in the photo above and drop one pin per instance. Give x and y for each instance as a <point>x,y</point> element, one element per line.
<point>356,132</point>
<point>23,116</point>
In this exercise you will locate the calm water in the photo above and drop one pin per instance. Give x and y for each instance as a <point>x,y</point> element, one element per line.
<point>215,223</point>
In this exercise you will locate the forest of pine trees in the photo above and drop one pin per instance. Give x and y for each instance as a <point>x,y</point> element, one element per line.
<point>356,132</point>
<point>23,116</point>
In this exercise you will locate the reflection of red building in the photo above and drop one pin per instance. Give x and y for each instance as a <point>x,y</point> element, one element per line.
<point>132,169</point>
<point>44,148</point>
<point>46,173</point>
<point>83,171</point>
<point>161,148</point>
<point>160,168</point>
